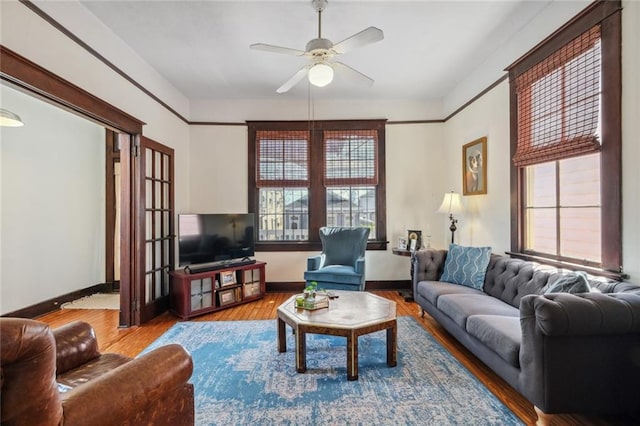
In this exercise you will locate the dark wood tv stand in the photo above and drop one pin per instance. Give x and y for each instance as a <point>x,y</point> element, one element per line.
<point>202,292</point>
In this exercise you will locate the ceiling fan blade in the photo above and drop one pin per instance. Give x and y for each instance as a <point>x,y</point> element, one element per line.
<point>364,37</point>
<point>302,72</point>
<point>277,49</point>
<point>352,74</point>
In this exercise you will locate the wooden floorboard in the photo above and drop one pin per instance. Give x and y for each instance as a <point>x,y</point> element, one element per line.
<point>131,341</point>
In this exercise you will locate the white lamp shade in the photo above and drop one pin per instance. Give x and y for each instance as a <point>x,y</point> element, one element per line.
<point>9,119</point>
<point>451,204</point>
<point>320,75</point>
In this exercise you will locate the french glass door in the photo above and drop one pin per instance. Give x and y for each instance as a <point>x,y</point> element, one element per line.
<point>155,228</point>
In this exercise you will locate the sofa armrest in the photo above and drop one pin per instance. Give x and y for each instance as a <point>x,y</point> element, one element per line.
<point>580,352</point>
<point>131,388</point>
<point>27,371</point>
<point>359,266</point>
<point>76,344</point>
<point>314,262</point>
<point>427,265</point>
<point>564,314</point>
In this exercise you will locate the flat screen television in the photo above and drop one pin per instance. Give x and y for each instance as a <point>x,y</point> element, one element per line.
<point>208,241</point>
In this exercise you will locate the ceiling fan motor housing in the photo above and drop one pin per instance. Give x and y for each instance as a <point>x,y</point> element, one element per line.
<point>319,5</point>
<point>319,48</point>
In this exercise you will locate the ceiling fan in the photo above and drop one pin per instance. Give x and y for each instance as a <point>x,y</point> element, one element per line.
<point>321,52</point>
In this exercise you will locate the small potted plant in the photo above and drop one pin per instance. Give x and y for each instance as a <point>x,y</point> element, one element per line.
<point>310,290</point>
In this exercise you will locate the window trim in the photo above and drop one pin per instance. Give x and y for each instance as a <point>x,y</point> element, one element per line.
<point>607,14</point>
<point>316,174</point>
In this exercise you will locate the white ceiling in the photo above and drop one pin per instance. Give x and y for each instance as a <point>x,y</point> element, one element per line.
<point>202,47</point>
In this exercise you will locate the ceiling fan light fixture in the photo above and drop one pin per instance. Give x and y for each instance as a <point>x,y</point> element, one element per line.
<point>9,119</point>
<point>320,74</point>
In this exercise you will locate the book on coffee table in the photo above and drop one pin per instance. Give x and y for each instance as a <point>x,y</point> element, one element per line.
<point>320,301</point>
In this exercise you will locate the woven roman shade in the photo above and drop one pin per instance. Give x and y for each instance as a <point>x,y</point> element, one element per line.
<point>350,157</point>
<point>559,103</point>
<point>282,158</point>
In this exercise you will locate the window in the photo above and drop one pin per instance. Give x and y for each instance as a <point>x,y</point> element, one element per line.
<point>306,175</point>
<point>566,144</point>
<point>563,209</point>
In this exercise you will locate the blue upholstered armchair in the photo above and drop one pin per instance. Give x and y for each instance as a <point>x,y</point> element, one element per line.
<point>341,264</point>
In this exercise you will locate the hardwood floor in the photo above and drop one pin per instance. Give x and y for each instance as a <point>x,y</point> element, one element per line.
<point>131,341</point>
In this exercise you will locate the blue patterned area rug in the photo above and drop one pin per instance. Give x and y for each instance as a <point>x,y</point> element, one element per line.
<point>241,379</point>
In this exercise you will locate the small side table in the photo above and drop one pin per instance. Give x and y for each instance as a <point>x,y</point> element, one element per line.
<point>408,295</point>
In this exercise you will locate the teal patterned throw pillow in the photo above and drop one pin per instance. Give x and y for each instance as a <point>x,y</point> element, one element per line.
<point>466,265</point>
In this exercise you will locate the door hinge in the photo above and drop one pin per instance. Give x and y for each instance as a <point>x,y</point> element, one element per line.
<point>135,150</point>
<point>134,305</point>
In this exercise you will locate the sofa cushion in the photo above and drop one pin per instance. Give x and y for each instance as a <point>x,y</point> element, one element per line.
<point>432,290</point>
<point>459,307</point>
<point>512,279</point>
<point>466,265</point>
<point>334,273</point>
<point>502,334</point>
<point>575,282</point>
<point>93,369</point>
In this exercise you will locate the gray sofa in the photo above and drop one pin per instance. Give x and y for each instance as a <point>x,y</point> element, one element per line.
<point>566,353</point>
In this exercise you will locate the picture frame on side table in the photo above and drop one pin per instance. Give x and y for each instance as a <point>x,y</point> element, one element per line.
<point>414,240</point>
<point>402,243</point>
<point>474,167</point>
<point>227,278</point>
<point>227,296</point>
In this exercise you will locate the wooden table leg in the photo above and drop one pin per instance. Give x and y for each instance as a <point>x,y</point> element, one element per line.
<point>392,345</point>
<point>352,356</point>
<point>282,337</point>
<point>301,351</point>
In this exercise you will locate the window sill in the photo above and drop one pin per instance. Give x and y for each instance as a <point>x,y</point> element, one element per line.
<point>273,246</point>
<point>618,276</point>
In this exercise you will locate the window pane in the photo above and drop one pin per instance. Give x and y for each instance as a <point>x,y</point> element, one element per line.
<point>580,181</point>
<point>284,214</point>
<point>580,235</point>
<point>541,230</point>
<point>578,203</point>
<point>352,206</point>
<point>541,185</point>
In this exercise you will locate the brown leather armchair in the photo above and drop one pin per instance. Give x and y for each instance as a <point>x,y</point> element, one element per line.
<point>59,377</point>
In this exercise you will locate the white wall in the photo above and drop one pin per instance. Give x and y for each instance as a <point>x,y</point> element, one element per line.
<point>423,161</point>
<point>414,191</point>
<point>631,138</point>
<point>487,219</point>
<point>549,18</point>
<point>29,35</point>
<point>218,167</point>
<point>239,111</point>
<point>24,32</point>
<point>53,203</point>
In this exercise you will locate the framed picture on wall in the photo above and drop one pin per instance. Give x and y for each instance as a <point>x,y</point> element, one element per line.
<point>474,167</point>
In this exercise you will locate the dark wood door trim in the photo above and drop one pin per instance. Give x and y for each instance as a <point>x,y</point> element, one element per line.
<point>112,156</point>
<point>31,77</point>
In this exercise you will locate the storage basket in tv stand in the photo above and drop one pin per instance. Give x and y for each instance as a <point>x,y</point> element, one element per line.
<point>198,293</point>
